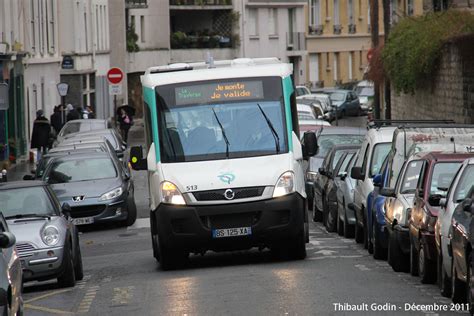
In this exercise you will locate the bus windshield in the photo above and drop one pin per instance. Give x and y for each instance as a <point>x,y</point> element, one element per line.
<point>219,120</point>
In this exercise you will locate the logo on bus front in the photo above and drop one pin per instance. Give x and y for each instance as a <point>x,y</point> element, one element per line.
<point>227,177</point>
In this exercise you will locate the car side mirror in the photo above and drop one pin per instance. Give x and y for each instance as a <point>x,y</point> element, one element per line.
<point>29,177</point>
<point>443,202</point>
<point>467,204</point>
<point>388,192</point>
<point>310,144</point>
<point>356,173</point>
<point>434,199</point>
<point>322,171</point>
<point>66,209</point>
<point>7,240</point>
<point>377,180</point>
<point>136,158</point>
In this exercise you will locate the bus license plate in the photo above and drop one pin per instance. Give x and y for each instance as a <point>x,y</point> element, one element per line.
<point>83,220</point>
<point>231,232</point>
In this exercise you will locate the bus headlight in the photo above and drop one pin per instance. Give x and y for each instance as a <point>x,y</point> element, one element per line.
<point>170,194</point>
<point>285,184</point>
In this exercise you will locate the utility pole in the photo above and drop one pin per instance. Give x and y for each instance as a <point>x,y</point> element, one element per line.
<point>387,89</point>
<point>374,20</point>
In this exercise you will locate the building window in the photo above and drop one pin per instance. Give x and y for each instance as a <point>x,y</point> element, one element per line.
<point>142,28</point>
<point>42,34</point>
<point>393,11</point>
<point>33,25</point>
<point>327,9</point>
<point>409,6</point>
<point>132,21</point>
<point>273,21</point>
<point>351,65</point>
<point>86,32</point>
<point>350,12</point>
<point>368,13</point>
<point>315,12</point>
<point>336,66</point>
<point>314,67</point>
<point>336,13</point>
<point>253,22</point>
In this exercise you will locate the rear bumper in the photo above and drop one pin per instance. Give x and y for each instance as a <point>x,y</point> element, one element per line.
<point>272,222</point>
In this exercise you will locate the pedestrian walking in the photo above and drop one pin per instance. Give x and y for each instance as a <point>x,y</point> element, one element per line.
<point>90,112</point>
<point>57,119</point>
<point>40,137</point>
<point>72,113</point>
<point>125,121</point>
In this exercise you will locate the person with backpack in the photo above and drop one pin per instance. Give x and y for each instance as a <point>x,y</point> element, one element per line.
<point>125,121</point>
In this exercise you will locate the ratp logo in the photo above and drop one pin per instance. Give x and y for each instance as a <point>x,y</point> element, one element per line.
<point>227,177</point>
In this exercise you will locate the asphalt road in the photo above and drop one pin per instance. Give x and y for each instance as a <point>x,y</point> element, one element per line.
<point>122,278</point>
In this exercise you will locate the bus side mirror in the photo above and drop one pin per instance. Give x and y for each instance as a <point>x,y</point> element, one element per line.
<point>310,144</point>
<point>136,158</point>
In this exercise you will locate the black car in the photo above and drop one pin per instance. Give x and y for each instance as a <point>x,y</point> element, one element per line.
<point>97,185</point>
<point>327,138</point>
<point>326,174</point>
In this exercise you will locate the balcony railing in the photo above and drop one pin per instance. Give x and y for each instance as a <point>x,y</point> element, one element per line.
<point>337,29</point>
<point>315,30</point>
<point>136,4</point>
<point>200,2</point>
<point>352,28</point>
<point>181,40</point>
<point>295,41</point>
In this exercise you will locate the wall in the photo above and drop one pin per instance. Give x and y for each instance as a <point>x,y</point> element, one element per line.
<point>451,93</point>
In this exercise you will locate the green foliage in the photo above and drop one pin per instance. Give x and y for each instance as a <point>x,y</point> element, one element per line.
<point>412,52</point>
<point>132,39</point>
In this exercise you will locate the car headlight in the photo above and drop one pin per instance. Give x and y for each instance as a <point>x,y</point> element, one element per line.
<point>50,235</point>
<point>170,194</point>
<point>111,194</point>
<point>311,176</point>
<point>285,184</point>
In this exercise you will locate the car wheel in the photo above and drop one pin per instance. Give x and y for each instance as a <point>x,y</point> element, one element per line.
<point>78,267</point>
<point>131,212</point>
<point>343,113</point>
<point>444,281</point>
<point>396,258</point>
<point>310,204</point>
<point>340,226</point>
<point>414,261</point>
<point>359,233</point>
<point>366,234</point>
<point>297,248</point>
<point>426,268</point>
<point>317,214</point>
<point>370,244</point>
<point>348,229</point>
<point>470,287</point>
<point>330,220</point>
<point>458,288</point>
<point>380,253</point>
<point>68,277</point>
<point>170,258</point>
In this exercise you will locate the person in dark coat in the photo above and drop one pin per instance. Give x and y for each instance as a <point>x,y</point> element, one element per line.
<point>41,133</point>
<point>57,119</point>
<point>125,121</point>
<point>73,114</point>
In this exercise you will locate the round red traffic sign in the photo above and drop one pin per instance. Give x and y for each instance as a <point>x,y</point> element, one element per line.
<point>115,75</point>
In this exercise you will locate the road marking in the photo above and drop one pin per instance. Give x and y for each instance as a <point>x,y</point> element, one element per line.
<point>47,310</point>
<point>140,223</point>
<point>88,299</point>
<point>326,252</point>
<point>362,267</point>
<point>334,257</point>
<point>46,295</point>
<point>81,284</point>
<point>122,295</point>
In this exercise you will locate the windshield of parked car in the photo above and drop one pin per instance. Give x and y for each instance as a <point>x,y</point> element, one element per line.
<point>411,177</point>
<point>465,184</point>
<point>221,119</point>
<point>81,126</point>
<point>23,201</point>
<point>379,154</point>
<point>326,142</point>
<point>337,96</point>
<point>66,171</point>
<point>365,91</point>
<point>443,174</point>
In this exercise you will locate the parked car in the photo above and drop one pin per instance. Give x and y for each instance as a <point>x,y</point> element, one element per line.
<point>462,228</point>
<point>306,112</point>
<point>365,92</point>
<point>371,156</point>
<point>11,300</point>
<point>325,201</point>
<point>322,98</point>
<point>346,103</point>
<point>318,110</point>
<point>459,190</point>
<point>301,90</point>
<point>47,242</point>
<point>345,195</point>
<point>97,185</point>
<point>81,126</point>
<point>327,138</point>
<point>437,171</point>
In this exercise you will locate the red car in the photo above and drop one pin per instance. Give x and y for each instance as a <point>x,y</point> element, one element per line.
<point>436,171</point>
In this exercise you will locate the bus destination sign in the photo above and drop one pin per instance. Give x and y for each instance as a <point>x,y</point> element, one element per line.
<point>219,92</point>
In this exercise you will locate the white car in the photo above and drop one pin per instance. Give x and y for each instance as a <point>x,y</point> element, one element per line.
<point>302,90</point>
<point>460,187</point>
<point>323,98</point>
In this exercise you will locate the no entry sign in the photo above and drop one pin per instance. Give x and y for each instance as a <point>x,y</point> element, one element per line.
<point>115,75</point>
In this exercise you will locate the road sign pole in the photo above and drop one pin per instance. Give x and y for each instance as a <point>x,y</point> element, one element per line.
<point>63,112</point>
<point>115,109</point>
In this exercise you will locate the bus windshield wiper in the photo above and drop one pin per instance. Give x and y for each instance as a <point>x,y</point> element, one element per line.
<point>223,133</point>
<point>32,215</point>
<point>272,129</point>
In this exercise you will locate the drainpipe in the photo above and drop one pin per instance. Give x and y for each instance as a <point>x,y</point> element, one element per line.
<point>244,53</point>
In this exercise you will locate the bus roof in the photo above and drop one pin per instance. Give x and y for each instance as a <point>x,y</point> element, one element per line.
<point>222,69</point>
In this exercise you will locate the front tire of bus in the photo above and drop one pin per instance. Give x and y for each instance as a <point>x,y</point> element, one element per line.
<point>170,258</point>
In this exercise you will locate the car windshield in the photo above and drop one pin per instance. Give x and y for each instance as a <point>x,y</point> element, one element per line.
<point>411,177</point>
<point>23,201</point>
<point>365,91</point>
<point>326,142</point>
<point>379,154</point>
<point>221,120</point>
<point>465,184</point>
<point>66,171</point>
<point>443,174</point>
<point>337,96</point>
<point>301,91</point>
<point>76,127</point>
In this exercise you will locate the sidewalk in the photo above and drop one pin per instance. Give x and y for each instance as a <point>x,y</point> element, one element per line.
<point>18,170</point>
